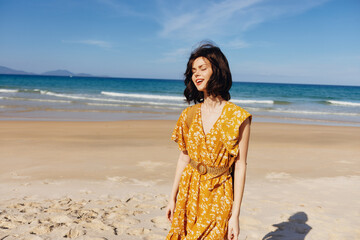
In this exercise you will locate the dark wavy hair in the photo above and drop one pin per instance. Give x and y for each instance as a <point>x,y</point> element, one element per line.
<point>220,81</point>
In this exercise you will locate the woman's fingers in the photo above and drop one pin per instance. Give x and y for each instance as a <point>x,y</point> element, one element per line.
<point>230,235</point>
<point>170,211</point>
<point>235,236</point>
<point>169,214</point>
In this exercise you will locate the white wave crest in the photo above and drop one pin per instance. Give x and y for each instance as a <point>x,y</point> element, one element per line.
<point>131,105</point>
<point>252,101</point>
<point>108,104</point>
<point>146,96</point>
<point>36,100</point>
<point>344,103</point>
<point>314,112</point>
<point>71,96</point>
<point>9,90</point>
<point>110,100</point>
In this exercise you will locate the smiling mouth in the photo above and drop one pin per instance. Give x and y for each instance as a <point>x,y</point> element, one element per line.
<point>199,81</point>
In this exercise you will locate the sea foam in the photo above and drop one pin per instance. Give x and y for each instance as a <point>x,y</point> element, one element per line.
<point>344,103</point>
<point>9,90</point>
<point>146,96</point>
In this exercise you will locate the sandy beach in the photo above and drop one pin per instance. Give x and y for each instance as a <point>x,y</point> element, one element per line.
<point>111,180</point>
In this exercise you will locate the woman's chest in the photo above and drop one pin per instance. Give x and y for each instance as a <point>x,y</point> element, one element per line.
<point>206,137</point>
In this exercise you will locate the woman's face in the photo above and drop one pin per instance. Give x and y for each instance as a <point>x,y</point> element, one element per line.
<point>202,72</point>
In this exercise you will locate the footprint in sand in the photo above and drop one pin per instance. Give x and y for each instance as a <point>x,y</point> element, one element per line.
<point>146,206</point>
<point>161,222</point>
<point>132,200</point>
<point>60,219</point>
<point>15,219</point>
<point>15,175</point>
<point>61,231</point>
<point>97,225</point>
<point>30,237</point>
<point>138,212</point>
<point>42,229</point>
<point>120,228</point>
<point>130,221</point>
<point>138,231</point>
<point>7,225</point>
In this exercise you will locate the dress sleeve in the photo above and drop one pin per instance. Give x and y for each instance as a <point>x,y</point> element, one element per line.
<point>180,132</point>
<point>231,130</point>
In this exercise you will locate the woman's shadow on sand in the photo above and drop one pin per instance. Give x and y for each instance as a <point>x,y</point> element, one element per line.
<point>294,229</point>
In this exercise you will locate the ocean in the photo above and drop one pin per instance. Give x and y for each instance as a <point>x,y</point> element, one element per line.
<point>25,97</point>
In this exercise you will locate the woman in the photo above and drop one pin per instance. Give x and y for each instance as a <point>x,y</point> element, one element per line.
<point>212,135</point>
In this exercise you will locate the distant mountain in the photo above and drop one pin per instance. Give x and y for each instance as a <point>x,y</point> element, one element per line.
<point>60,72</point>
<point>6,70</point>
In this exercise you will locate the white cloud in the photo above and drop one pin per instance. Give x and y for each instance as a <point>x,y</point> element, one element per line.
<point>98,43</point>
<point>206,19</point>
<point>179,54</point>
<point>227,18</point>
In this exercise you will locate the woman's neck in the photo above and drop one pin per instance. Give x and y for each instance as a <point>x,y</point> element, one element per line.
<point>213,103</point>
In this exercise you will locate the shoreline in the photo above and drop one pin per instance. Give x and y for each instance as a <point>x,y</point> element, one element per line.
<point>146,116</point>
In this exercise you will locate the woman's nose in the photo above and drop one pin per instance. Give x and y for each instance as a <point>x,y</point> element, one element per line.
<point>196,73</point>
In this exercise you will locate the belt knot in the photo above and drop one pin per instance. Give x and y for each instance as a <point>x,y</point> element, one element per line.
<point>204,169</point>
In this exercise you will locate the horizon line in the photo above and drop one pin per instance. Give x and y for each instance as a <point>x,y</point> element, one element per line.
<point>170,79</point>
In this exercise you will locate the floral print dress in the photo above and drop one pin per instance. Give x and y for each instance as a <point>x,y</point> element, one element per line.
<point>204,204</point>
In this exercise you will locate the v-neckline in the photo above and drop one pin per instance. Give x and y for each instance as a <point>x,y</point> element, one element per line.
<point>201,121</point>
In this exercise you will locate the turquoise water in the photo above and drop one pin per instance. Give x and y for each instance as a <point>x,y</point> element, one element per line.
<point>94,99</point>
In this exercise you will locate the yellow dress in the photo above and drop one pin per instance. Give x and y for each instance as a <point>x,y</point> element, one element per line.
<point>203,207</point>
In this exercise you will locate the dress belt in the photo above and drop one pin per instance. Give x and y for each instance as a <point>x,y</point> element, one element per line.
<point>204,169</point>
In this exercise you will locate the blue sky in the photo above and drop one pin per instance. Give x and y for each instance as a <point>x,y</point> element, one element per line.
<point>292,41</point>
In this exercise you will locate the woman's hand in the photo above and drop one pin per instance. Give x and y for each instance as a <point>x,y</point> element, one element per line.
<point>233,228</point>
<point>170,210</point>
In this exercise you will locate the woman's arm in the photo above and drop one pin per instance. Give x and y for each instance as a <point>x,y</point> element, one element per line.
<point>240,167</point>
<point>239,181</point>
<point>183,160</point>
